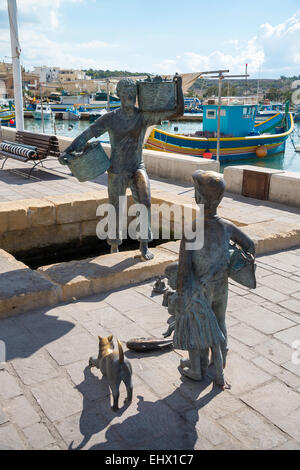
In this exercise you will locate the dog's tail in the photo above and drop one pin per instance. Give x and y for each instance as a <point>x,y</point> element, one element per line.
<point>121,352</point>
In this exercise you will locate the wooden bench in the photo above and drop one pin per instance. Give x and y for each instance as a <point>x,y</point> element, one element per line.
<point>45,146</point>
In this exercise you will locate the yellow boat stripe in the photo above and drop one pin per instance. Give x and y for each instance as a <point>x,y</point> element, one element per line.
<point>263,122</point>
<point>167,145</point>
<point>199,154</point>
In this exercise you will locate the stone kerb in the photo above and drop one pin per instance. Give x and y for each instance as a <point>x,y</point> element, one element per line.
<point>22,289</point>
<point>104,273</point>
<point>285,188</point>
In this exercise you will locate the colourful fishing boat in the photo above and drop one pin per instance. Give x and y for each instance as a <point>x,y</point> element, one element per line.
<point>7,117</point>
<point>240,137</point>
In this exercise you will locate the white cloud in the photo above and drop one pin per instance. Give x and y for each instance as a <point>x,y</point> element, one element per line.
<point>96,45</point>
<point>252,54</point>
<point>43,14</point>
<point>37,20</point>
<point>274,51</point>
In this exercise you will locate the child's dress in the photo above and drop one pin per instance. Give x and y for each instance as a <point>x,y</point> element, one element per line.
<point>196,325</point>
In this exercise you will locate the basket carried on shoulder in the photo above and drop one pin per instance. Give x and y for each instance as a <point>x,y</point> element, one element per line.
<point>89,163</point>
<point>157,95</point>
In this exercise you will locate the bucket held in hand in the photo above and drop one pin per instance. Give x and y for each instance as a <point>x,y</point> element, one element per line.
<point>89,163</point>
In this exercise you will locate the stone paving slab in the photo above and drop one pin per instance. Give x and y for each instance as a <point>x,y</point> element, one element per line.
<point>253,430</point>
<point>51,399</point>
<point>57,398</point>
<point>279,404</point>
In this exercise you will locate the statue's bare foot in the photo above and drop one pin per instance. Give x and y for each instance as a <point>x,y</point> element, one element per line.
<point>190,373</point>
<point>221,382</point>
<point>114,249</point>
<point>145,253</point>
<point>185,363</point>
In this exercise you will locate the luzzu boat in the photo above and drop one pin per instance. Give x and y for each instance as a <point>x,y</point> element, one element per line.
<point>7,116</point>
<point>240,138</point>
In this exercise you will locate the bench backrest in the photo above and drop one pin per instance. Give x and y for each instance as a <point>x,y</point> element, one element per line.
<point>47,145</point>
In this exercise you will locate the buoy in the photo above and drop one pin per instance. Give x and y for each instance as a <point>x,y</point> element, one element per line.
<point>207,155</point>
<point>261,151</point>
<point>11,121</point>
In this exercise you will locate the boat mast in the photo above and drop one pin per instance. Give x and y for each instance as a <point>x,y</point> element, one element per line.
<point>42,109</point>
<point>17,73</point>
<point>107,93</point>
<point>219,115</point>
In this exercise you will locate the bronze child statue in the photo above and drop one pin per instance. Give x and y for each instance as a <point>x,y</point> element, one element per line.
<point>127,128</point>
<point>202,284</point>
<point>114,367</point>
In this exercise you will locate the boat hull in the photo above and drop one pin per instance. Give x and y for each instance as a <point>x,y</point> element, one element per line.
<point>5,116</point>
<point>38,115</point>
<point>231,149</point>
<point>70,116</point>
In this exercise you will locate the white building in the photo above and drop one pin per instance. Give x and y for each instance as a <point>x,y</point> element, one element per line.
<point>47,74</point>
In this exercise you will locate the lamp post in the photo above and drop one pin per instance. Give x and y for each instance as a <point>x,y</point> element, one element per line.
<point>17,73</point>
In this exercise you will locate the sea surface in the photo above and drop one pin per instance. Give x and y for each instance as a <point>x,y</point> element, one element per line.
<point>289,160</point>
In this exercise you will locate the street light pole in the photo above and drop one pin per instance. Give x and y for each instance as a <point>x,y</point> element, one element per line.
<point>219,115</point>
<point>17,73</point>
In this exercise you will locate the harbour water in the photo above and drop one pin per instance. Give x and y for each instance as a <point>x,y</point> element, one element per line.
<point>290,160</point>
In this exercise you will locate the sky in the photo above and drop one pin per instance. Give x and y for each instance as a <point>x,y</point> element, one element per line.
<point>158,36</point>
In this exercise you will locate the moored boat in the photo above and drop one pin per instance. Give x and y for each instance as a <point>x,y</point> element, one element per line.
<point>240,138</point>
<point>7,117</point>
<point>297,116</point>
<point>42,111</point>
<point>71,114</point>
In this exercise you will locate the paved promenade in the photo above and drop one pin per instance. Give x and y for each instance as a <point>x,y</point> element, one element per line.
<point>51,399</point>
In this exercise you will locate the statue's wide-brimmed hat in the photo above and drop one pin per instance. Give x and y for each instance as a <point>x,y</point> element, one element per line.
<point>210,185</point>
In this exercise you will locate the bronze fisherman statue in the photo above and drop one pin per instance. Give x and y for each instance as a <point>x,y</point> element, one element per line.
<point>127,128</point>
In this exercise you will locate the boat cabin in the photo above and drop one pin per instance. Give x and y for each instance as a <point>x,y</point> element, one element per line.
<point>277,107</point>
<point>46,108</point>
<point>236,120</point>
